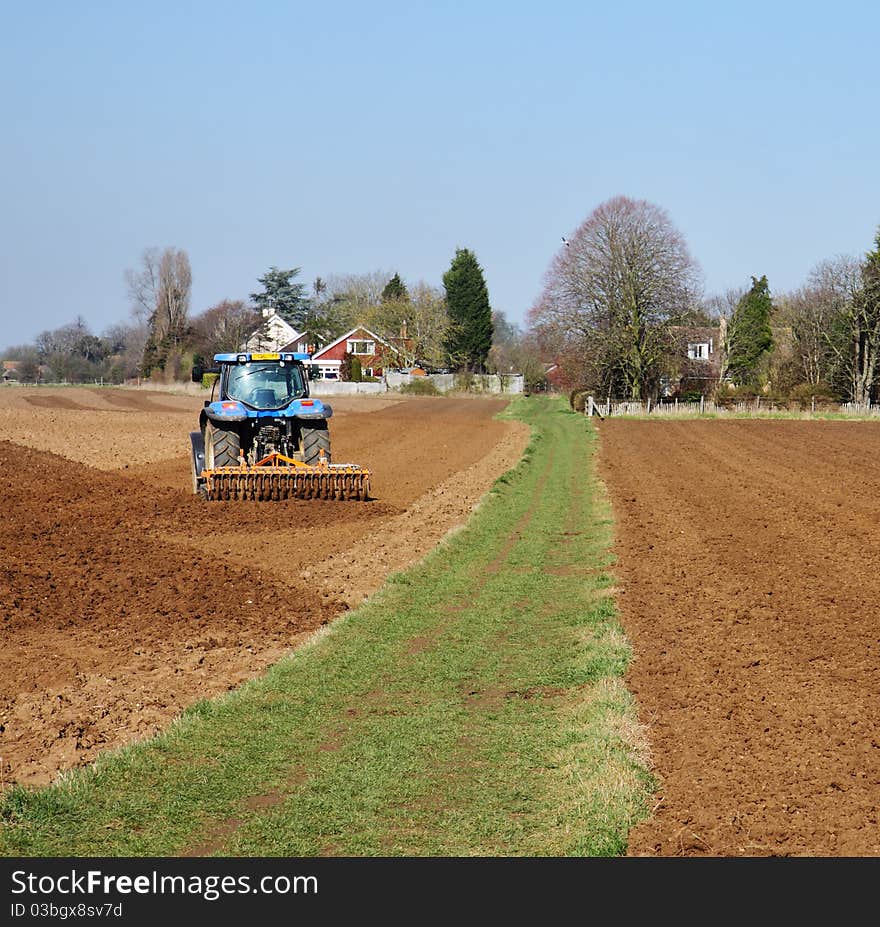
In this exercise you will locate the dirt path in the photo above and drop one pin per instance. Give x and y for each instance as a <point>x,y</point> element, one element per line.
<point>749,574</point>
<point>124,599</point>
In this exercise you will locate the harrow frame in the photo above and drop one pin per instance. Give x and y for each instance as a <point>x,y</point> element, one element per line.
<point>276,477</point>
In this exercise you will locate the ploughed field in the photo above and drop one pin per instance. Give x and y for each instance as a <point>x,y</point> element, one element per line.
<point>124,598</point>
<point>749,586</point>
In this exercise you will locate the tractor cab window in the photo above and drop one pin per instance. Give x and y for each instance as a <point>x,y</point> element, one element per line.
<point>265,386</point>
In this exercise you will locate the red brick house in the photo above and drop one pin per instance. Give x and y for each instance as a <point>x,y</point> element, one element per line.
<point>374,353</point>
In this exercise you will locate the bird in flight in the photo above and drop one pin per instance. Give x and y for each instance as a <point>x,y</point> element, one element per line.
<point>565,241</point>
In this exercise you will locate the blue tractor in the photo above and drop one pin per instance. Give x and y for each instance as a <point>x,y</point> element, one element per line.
<point>262,437</point>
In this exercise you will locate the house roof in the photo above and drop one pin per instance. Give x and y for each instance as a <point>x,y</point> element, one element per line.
<point>275,329</point>
<point>701,334</point>
<point>297,338</point>
<point>359,328</point>
<point>696,333</point>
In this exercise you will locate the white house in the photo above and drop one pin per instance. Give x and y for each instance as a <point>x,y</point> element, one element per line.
<point>276,335</point>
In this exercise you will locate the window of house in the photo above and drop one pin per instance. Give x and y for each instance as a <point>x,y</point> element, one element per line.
<point>329,373</point>
<point>368,372</point>
<point>699,351</point>
<point>362,347</point>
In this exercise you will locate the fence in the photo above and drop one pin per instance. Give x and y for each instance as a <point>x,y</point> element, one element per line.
<point>757,406</point>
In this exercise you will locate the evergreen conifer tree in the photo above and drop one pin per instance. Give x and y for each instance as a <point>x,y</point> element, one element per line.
<point>282,294</point>
<point>470,315</point>
<point>871,284</point>
<point>866,329</point>
<point>750,336</point>
<point>395,291</point>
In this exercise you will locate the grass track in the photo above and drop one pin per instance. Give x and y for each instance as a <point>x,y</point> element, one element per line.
<point>474,706</point>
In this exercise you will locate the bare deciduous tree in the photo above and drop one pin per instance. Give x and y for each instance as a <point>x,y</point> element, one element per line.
<point>125,349</point>
<point>835,323</point>
<point>809,319</point>
<point>834,318</point>
<point>172,303</point>
<point>422,315</point>
<point>224,327</point>
<point>515,352</point>
<point>160,291</point>
<point>143,285</point>
<point>614,292</point>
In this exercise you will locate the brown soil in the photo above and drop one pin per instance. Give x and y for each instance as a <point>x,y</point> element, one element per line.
<point>749,574</point>
<point>124,599</point>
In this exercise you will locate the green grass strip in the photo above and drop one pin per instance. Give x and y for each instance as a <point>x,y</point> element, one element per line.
<point>473,707</point>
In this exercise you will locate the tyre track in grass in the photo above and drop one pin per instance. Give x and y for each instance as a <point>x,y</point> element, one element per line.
<point>444,725</point>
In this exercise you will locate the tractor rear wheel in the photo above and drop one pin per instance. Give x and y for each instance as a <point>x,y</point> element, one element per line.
<point>222,447</point>
<point>315,443</point>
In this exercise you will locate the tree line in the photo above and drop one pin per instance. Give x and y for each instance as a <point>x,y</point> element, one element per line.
<point>623,297</point>
<point>453,327</point>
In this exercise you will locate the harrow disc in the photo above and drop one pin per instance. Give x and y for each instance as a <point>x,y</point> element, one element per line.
<point>276,483</point>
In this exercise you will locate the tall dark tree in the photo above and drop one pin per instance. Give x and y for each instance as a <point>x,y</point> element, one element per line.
<point>395,291</point>
<point>283,295</point>
<point>749,336</point>
<point>469,337</point>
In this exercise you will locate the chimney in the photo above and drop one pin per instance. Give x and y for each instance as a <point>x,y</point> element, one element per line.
<point>403,329</point>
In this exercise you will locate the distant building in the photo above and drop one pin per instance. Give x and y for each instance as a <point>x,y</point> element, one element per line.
<point>700,359</point>
<point>276,335</point>
<point>554,376</point>
<point>374,353</point>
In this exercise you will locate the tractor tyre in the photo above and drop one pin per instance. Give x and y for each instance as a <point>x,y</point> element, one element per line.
<point>315,441</point>
<point>222,447</point>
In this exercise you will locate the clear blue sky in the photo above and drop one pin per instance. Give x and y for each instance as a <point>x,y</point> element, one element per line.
<point>351,137</point>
